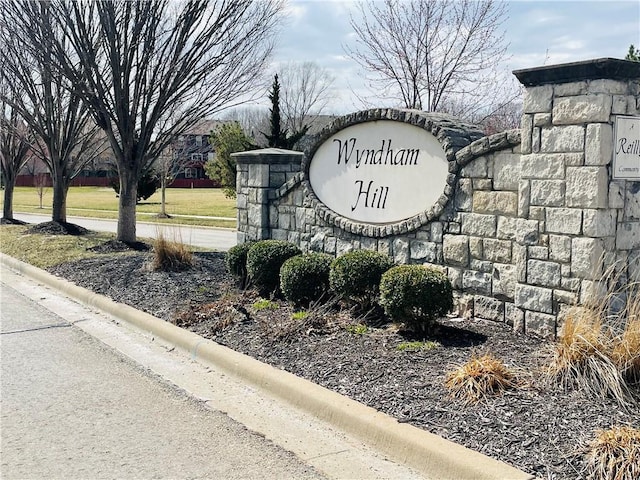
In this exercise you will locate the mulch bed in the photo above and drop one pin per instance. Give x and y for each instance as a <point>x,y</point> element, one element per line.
<point>57,228</point>
<point>536,428</point>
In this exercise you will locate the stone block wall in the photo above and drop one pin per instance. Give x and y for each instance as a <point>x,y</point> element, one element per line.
<point>532,220</point>
<point>588,222</point>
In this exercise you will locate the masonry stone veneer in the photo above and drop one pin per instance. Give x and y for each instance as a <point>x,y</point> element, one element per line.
<point>529,219</point>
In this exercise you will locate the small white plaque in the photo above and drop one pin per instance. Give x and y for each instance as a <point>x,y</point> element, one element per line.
<point>379,172</point>
<point>626,150</point>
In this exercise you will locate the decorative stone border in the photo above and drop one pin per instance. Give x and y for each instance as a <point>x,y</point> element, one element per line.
<point>489,144</point>
<point>452,134</point>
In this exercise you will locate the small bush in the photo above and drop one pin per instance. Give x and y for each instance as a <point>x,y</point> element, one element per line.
<point>264,260</point>
<point>148,183</point>
<point>236,262</point>
<point>415,295</point>
<point>305,278</point>
<point>171,255</point>
<point>615,454</point>
<point>356,276</point>
<point>478,377</point>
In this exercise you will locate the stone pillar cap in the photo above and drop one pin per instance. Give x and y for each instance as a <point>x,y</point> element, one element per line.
<point>268,156</point>
<point>600,68</point>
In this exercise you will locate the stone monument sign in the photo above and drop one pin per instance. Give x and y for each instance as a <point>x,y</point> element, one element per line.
<point>379,172</point>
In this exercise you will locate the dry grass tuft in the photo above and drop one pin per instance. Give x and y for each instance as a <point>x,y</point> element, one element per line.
<point>615,454</point>
<point>171,255</point>
<point>626,351</point>
<point>218,315</point>
<point>580,358</point>
<point>599,353</point>
<point>479,377</point>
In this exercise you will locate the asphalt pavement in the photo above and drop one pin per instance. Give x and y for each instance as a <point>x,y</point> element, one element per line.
<point>207,237</point>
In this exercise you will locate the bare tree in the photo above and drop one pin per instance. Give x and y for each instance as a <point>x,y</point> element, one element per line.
<point>133,61</point>
<point>505,117</point>
<point>305,90</point>
<point>15,144</point>
<point>66,138</point>
<point>168,166</point>
<point>40,177</point>
<point>252,120</point>
<point>425,53</point>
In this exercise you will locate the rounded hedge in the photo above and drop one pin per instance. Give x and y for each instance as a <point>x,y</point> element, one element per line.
<point>236,261</point>
<point>305,278</point>
<point>264,260</point>
<point>415,295</point>
<point>356,275</point>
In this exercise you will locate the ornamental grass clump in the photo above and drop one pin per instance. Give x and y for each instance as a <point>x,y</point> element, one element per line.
<point>614,454</point>
<point>479,377</point>
<point>598,353</point>
<point>305,278</point>
<point>355,276</point>
<point>626,350</point>
<point>170,255</point>
<point>415,295</point>
<point>264,260</point>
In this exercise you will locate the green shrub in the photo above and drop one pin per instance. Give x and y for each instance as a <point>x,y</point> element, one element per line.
<point>236,261</point>
<point>264,260</point>
<point>305,278</point>
<point>356,276</point>
<point>415,295</point>
<point>148,183</point>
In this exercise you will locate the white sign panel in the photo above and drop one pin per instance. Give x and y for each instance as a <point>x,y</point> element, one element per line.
<point>626,152</point>
<point>379,172</point>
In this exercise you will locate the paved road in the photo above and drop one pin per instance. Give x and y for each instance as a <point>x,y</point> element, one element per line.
<point>207,237</point>
<point>74,408</point>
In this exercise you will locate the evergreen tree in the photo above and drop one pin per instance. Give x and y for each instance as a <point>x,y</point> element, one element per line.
<point>633,54</point>
<point>279,138</point>
<point>226,139</point>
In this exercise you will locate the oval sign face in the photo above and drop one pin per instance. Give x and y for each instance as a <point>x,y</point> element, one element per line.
<point>379,172</point>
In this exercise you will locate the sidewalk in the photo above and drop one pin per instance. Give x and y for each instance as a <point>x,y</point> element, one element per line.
<point>207,237</point>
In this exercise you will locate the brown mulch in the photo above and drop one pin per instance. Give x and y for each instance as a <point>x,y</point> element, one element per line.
<point>536,428</point>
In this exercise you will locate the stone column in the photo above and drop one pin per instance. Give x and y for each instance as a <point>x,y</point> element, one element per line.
<point>588,222</point>
<point>259,174</point>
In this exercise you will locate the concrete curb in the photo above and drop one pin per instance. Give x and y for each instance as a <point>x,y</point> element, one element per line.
<point>430,454</point>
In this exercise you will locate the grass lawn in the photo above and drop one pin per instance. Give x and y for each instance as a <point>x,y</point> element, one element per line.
<point>100,202</point>
<point>31,248</point>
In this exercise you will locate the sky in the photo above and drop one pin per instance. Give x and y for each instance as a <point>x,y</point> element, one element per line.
<point>538,33</point>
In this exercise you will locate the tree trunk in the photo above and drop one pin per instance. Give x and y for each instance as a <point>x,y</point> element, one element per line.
<point>163,195</point>
<point>59,204</point>
<point>7,208</point>
<point>127,206</point>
